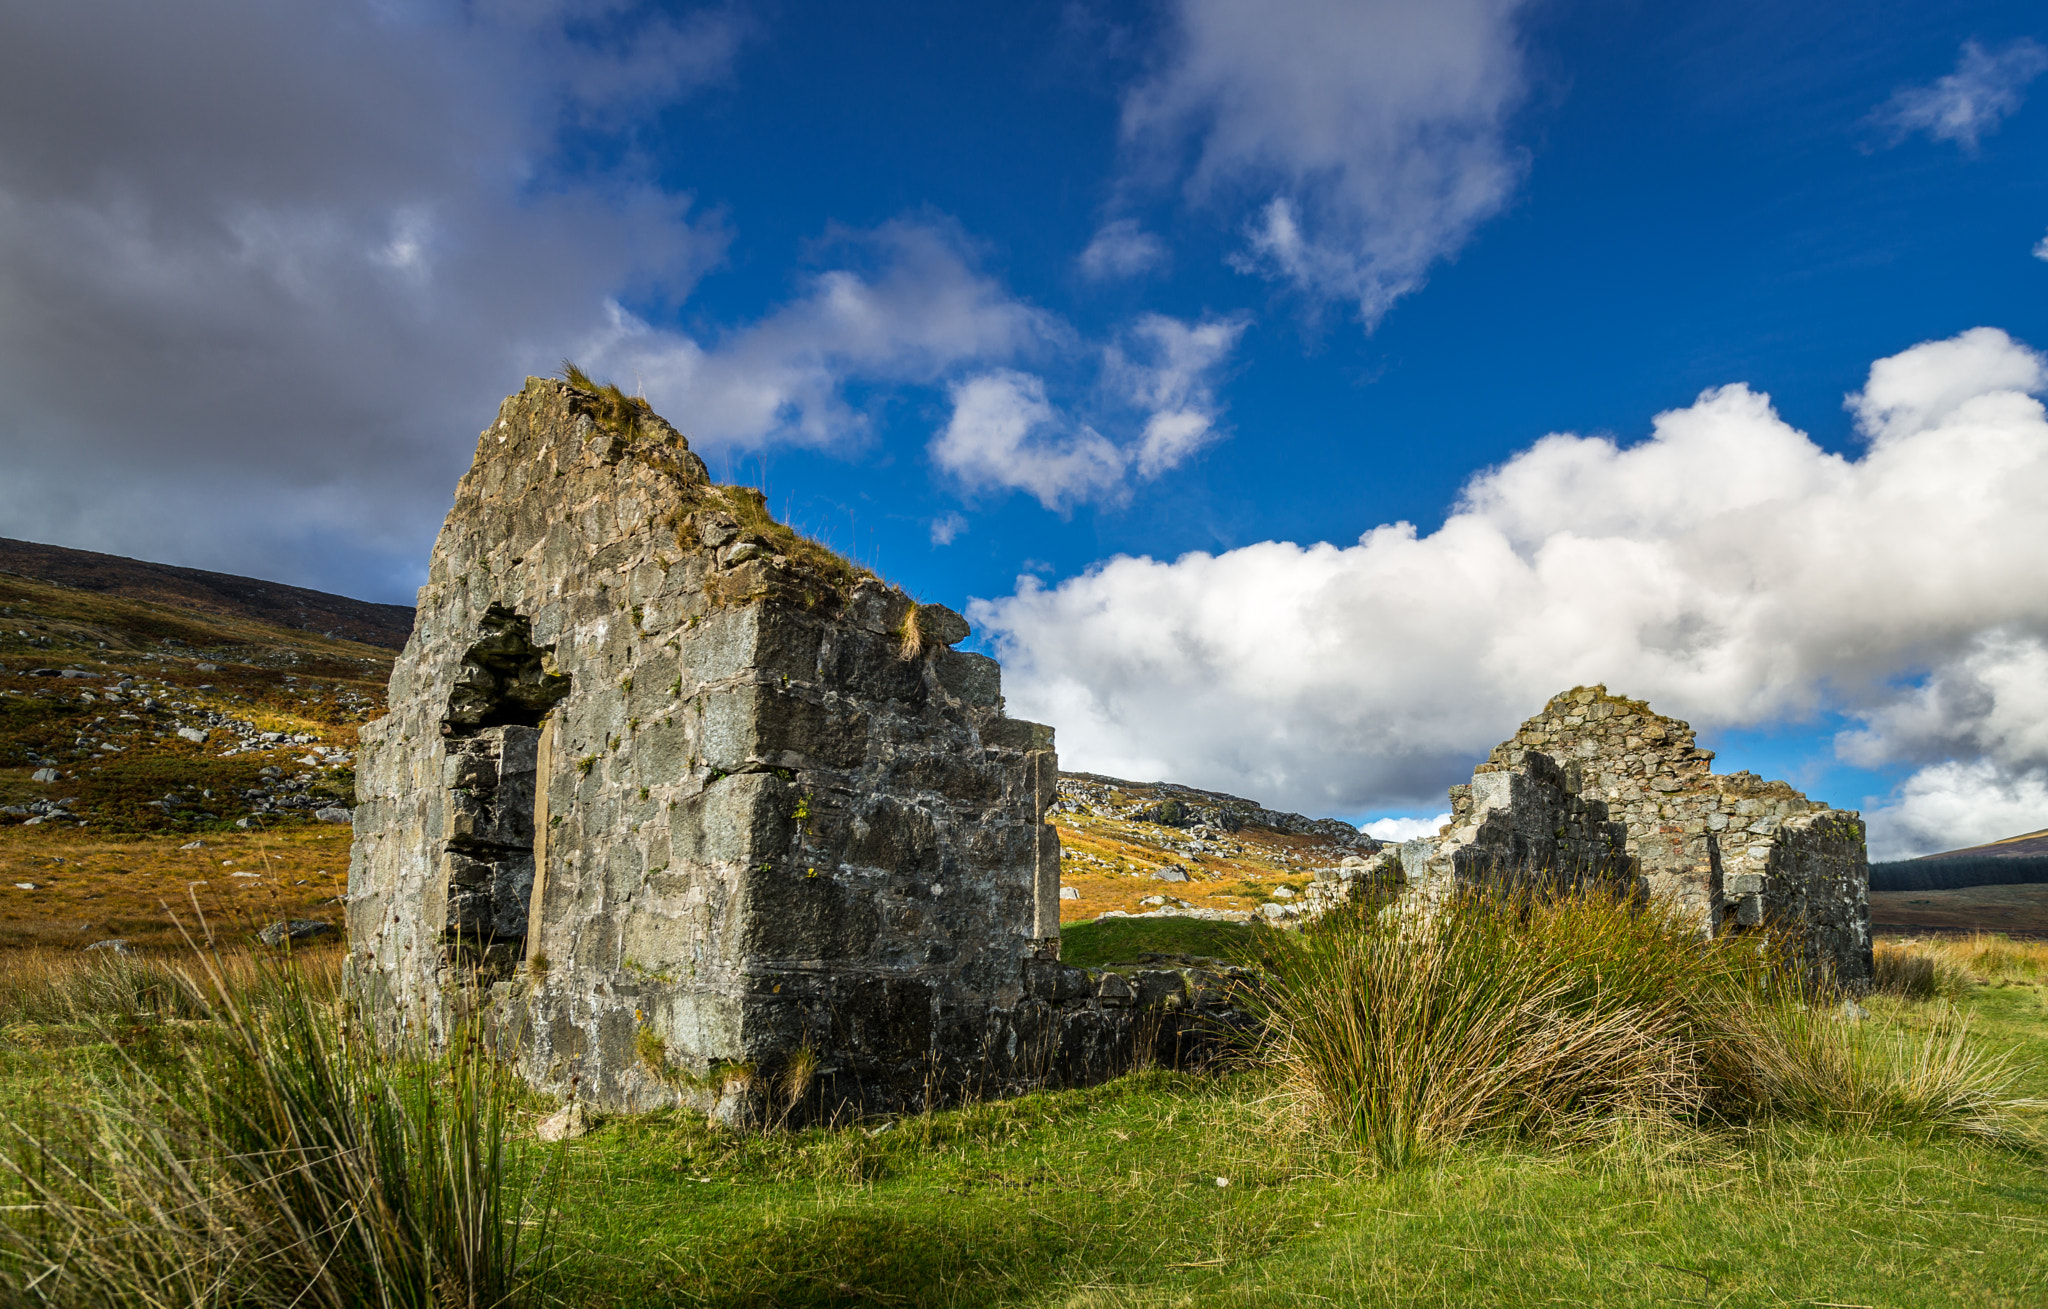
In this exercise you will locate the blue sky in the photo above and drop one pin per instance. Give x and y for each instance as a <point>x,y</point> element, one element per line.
<point>1119,326</point>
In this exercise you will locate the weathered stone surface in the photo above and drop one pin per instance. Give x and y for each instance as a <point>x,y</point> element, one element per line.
<point>688,815</point>
<point>1596,771</point>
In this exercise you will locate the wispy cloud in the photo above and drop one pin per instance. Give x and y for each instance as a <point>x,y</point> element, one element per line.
<point>1367,137</point>
<point>1157,381</point>
<point>909,306</point>
<point>1121,249</point>
<point>1985,89</point>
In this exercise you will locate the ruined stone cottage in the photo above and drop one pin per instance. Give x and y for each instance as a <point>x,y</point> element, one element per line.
<point>691,803</point>
<point>1597,788</point>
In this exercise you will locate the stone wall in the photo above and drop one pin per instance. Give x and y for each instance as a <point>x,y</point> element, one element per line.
<point>700,806</point>
<point>1739,852</point>
<point>1522,828</point>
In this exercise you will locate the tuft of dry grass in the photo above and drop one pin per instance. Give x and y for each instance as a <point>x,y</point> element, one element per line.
<point>615,411</point>
<point>1563,1019</point>
<point>822,574</point>
<point>1912,972</point>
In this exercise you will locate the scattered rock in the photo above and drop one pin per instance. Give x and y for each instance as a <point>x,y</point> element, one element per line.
<point>114,945</point>
<point>1171,873</point>
<point>297,929</point>
<point>196,735</point>
<point>565,1124</point>
<point>25,886</point>
<point>1070,893</point>
<point>1283,893</point>
<point>334,814</point>
<point>43,775</point>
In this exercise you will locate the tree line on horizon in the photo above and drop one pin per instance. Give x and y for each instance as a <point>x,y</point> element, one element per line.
<point>1950,874</point>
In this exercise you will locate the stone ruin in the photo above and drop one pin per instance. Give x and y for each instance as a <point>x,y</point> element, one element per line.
<point>688,809</point>
<point>1597,788</point>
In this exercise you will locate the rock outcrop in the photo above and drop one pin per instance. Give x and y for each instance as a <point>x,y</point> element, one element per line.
<point>700,811</point>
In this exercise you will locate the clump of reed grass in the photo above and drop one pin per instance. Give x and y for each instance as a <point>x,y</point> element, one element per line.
<point>1563,1018</point>
<point>280,1161</point>
<point>79,987</point>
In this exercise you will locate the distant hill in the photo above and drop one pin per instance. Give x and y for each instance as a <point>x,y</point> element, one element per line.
<point>271,603</point>
<point>2014,861</point>
<point>2026,846</point>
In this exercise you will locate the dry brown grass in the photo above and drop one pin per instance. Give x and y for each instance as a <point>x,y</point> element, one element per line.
<point>2011,909</point>
<point>1924,968</point>
<point>90,888</point>
<point>1236,881</point>
<point>89,990</point>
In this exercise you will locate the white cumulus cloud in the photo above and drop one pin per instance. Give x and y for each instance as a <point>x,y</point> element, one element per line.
<point>1726,568</point>
<point>1368,136</point>
<point>1969,103</point>
<point>1406,829</point>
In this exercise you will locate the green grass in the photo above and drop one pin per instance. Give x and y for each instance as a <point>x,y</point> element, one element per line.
<point>266,1156</point>
<point>1122,940</point>
<point>1108,1196</point>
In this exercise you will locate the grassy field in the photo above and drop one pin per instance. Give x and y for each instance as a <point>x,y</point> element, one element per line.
<point>1179,1189</point>
<point>1169,1189</point>
<point>2019,910</point>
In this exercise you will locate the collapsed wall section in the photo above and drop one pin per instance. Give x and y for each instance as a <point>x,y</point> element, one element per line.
<point>1738,852</point>
<point>1523,828</point>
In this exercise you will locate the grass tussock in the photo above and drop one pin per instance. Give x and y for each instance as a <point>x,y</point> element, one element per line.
<point>818,572</point>
<point>275,1159</point>
<point>615,411</point>
<point>1563,1020</point>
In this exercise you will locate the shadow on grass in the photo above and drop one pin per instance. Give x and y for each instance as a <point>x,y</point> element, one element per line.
<point>829,1260</point>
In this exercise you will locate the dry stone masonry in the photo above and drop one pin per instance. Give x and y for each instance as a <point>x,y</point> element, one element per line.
<point>699,812</point>
<point>1599,787</point>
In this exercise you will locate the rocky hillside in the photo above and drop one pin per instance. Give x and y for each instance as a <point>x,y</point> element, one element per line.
<point>1158,847</point>
<point>218,594</point>
<point>133,716</point>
